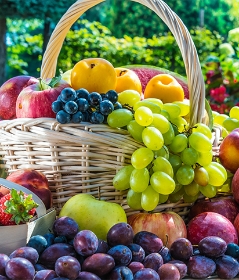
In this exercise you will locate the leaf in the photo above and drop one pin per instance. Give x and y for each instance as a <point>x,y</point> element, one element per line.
<point>54,81</point>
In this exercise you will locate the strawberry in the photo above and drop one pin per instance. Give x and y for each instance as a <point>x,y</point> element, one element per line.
<point>16,208</point>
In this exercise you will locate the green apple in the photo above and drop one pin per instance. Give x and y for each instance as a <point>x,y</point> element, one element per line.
<point>93,214</point>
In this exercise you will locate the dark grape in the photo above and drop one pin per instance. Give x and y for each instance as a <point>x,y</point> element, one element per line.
<point>117,106</point>
<point>94,99</point>
<point>200,267</point>
<point>120,273</point>
<point>85,275</point>
<point>153,260</point>
<point>103,246</point>
<point>71,107</point>
<point>28,253</point>
<point>60,239</point>
<point>49,238</point>
<point>67,266</point>
<point>77,117</point>
<point>55,251</point>
<point>121,254</point>
<point>165,253</point>
<point>135,266</point>
<point>20,268</point>
<point>63,117</point>
<point>232,250</point>
<point>169,271</point>
<point>181,266</point>
<point>212,246</point>
<point>60,278</point>
<point>38,242</point>
<point>2,277</point>
<point>65,226</point>
<point>106,107</point>
<point>83,104</point>
<point>181,249</point>
<point>86,116</point>
<point>149,241</point>
<point>99,264</point>
<point>85,242</point>
<point>68,94</point>
<point>83,93</point>
<point>138,253</point>
<point>146,273</point>
<point>227,267</point>
<point>46,274</point>
<point>57,106</point>
<point>3,261</point>
<point>120,234</point>
<point>96,117</point>
<point>112,95</point>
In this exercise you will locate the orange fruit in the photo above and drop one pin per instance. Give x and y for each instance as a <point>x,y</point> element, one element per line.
<point>127,79</point>
<point>164,87</point>
<point>93,74</point>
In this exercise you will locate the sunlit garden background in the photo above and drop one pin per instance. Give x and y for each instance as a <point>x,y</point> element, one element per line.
<point>126,32</point>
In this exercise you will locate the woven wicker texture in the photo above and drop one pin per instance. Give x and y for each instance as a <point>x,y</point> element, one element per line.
<point>85,157</point>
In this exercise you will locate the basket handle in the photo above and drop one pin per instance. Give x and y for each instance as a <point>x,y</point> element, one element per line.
<point>40,210</point>
<point>182,36</point>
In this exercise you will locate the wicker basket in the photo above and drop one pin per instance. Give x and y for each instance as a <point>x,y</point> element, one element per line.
<point>83,158</point>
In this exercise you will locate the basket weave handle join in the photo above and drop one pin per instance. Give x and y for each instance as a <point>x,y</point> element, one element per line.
<point>182,36</point>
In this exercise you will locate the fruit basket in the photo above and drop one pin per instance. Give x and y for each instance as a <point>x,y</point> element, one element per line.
<point>84,158</point>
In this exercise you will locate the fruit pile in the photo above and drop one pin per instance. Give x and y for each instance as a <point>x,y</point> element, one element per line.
<point>71,253</point>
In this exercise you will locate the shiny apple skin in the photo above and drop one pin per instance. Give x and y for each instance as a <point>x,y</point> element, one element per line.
<point>9,92</point>
<point>166,225</point>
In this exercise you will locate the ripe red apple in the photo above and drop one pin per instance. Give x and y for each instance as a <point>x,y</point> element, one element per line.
<point>9,92</point>
<point>35,100</point>
<point>211,224</point>
<point>235,186</point>
<point>229,151</point>
<point>224,206</point>
<point>166,225</point>
<point>35,181</point>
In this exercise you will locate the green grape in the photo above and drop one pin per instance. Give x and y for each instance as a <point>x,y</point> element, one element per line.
<point>201,176</point>
<point>143,116</point>
<point>180,123</point>
<point>189,156</point>
<point>234,112</point>
<point>204,129</point>
<point>173,110</point>
<point>208,191</point>
<point>135,130</point>
<point>155,108</point>
<point>163,152</point>
<point>216,176</point>
<point>192,189</point>
<point>200,142</point>
<point>214,114</point>
<point>179,143</point>
<point>134,200</point>
<point>177,185</point>
<point>163,198</point>
<point>162,183</point>
<point>160,122</point>
<point>221,168</point>
<point>185,108</point>
<point>162,164</point>
<point>121,180</point>
<point>129,97</point>
<point>190,199</point>
<point>149,199</point>
<point>165,114</point>
<point>169,135</point>
<point>219,119</point>
<point>156,101</point>
<point>119,118</point>
<point>185,175</point>
<point>205,158</point>
<point>139,179</point>
<point>175,161</point>
<point>177,196</point>
<point>142,157</point>
<point>230,124</point>
<point>152,138</point>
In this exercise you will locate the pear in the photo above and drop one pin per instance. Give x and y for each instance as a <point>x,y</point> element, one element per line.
<point>93,214</point>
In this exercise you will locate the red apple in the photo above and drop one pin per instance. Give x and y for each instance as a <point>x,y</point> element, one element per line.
<point>229,151</point>
<point>211,224</point>
<point>35,100</point>
<point>166,225</point>
<point>224,206</point>
<point>235,186</point>
<point>9,92</point>
<point>35,181</point>
<point>236,223</point>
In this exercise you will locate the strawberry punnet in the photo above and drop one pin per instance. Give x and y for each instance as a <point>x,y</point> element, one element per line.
<point>16,208</point>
